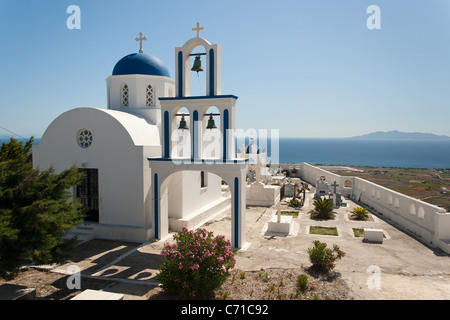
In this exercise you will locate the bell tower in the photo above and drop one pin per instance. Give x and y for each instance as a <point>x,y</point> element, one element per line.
<point>206,138</point>
<point>199,121</point>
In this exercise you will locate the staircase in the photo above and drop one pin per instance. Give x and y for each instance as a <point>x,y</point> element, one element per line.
<point>84,232</point>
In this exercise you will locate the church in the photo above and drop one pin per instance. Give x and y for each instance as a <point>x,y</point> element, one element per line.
<point>156,159</point>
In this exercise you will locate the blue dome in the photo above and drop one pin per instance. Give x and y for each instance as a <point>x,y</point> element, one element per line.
<point>140,63</point>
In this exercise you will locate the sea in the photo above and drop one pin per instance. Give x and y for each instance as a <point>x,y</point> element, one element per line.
<point>405,153</point>
<point>412,153</point>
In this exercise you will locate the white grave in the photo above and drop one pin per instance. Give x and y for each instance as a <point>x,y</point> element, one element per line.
<point>279,223</point>
<point>373,235</point>
<point>89,294</point>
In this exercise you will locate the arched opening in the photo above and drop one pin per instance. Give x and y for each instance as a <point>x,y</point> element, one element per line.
<point>390,200</point>
<point>347,184</point>
<point>181,137</point>
<point>396,202</point>
<point>421,213</point>
<point>212,138</point>
<point>191,198</point>
<point>198,78</point>
<point>412,209</point>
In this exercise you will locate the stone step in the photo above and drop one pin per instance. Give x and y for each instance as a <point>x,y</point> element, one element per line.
<point>83,232</point>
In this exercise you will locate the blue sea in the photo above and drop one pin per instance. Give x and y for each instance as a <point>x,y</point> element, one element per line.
<point>412,153</point>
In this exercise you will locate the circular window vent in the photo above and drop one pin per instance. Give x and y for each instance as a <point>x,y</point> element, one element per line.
<point>84,138</point>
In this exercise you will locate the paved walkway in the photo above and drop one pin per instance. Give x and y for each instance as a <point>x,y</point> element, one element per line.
<point>399,268</point>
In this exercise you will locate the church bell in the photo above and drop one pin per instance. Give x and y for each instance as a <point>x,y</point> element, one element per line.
<point>211,123</point>
<point>183,124</point>
<point>197,64</point>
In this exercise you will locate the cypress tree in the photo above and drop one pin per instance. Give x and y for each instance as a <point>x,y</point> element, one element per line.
<point>35,210</point>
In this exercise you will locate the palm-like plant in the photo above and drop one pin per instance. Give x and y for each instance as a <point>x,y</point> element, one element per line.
<point>360,213</point>
<point>323,209</point>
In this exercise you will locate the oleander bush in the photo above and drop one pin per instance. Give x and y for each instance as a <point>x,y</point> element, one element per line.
<point>323,258</point>
<point>196,263</point>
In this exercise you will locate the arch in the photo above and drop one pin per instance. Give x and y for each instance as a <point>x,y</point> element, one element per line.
<point>212,138</point>
<point>178,189</point>
<point>421,213</point>
<point>150,95</point>
<point>181,138</point>
<point>347,184</point>
<point>412,209</point>
<point>396,202</point>
<point>124,95</point>
<point>212,68</point>
<point>237,188</point>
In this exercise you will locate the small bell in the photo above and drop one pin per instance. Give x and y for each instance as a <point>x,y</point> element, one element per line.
<point>211,123</point>
<point>197,64</point>
<point>183,124</point>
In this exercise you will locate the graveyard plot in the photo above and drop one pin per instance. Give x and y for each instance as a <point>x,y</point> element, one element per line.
<point>290,213</point>
<point>327,231</point>
<point>358,232</point>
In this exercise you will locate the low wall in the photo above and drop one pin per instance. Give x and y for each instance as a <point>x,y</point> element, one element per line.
<point>428,222</point>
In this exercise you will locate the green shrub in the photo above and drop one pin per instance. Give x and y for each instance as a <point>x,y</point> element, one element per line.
<point>324,258</point>
<point>302,283</point>
<point>294,203</point>
<point>360,213</point>
<point>196,264</point>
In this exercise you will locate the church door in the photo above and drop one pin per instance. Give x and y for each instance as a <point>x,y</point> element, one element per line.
<point>87,193</point>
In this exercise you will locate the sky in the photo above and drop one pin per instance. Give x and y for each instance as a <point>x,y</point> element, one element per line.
<point>308,68</point>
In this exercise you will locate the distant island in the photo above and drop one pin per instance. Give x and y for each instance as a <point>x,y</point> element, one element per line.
<point>395,134</point>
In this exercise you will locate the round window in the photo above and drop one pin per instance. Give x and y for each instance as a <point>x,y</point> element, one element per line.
<point>84,138</point>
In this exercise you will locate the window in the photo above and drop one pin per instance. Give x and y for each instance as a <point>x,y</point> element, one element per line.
<point>125,96</point>
<point>150,96</point>
<point>84,138</point>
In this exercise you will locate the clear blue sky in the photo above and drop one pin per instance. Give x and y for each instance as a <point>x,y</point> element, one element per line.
<point>309,68</point>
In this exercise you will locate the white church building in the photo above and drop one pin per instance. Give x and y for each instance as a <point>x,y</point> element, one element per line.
<point>150,168</point>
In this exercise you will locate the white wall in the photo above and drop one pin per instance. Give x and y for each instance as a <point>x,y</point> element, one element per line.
<point>186,196</point>
<point>124,176</point>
